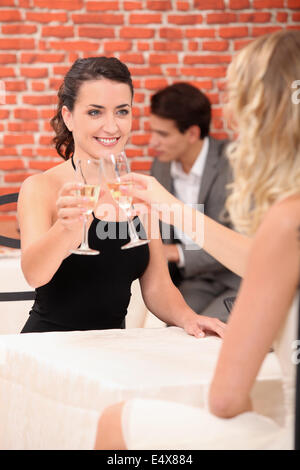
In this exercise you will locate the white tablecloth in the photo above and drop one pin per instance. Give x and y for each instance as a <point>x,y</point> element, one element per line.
<point>53,386</point>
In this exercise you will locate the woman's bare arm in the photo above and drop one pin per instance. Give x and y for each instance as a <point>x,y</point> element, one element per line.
<point>44,244</point>
<point>270,283</point>
<point>227,246</point>
<point>230,248</point>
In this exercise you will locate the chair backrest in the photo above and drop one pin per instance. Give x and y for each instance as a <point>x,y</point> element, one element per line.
<point>9,241</point>
<point>229,302</point>
<point>15,301</point>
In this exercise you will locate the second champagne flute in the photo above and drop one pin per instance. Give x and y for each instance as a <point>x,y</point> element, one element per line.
<point>113,167</point>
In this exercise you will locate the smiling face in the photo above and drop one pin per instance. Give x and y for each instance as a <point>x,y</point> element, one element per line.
<point>101,118</point>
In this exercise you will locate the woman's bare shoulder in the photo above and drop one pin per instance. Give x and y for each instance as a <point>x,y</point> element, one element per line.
<point>282,221</point>
<point>46,183</point>
<point>286,212</point>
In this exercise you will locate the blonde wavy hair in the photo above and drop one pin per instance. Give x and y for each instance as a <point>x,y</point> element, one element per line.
<point>265,157</point>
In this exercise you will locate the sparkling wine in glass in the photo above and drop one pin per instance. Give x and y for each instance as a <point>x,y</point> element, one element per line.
<point>123,200</point>
<point>87,172</point>
<point>114,166</point>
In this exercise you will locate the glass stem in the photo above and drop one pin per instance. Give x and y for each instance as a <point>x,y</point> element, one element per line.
<point>84,243</point>
<point>131,228</point>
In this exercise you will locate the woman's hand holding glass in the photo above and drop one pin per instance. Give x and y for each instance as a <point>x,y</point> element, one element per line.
<point>71,207</point>
<point>149,195</point>
<point>146,189</point>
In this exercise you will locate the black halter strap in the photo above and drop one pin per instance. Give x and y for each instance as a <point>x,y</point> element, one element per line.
<point>73,164</point>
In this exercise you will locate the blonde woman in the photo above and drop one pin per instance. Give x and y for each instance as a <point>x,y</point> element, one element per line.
<point>265,208</point>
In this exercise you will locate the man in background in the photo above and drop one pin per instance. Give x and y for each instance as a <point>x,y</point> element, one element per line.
<point>192,166</point>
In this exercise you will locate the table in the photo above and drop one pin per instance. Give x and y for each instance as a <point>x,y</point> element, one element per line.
<point>54,386</point>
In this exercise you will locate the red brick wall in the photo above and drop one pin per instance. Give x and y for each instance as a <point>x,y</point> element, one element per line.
<point>161,42</point>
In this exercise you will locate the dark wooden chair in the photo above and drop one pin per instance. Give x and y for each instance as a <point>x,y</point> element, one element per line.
<point>8,241</point>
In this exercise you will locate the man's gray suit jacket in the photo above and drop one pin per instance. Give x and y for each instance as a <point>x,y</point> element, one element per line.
<point>213,193</point>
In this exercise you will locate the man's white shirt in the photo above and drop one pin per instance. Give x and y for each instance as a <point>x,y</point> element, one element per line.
<point>186,188</point>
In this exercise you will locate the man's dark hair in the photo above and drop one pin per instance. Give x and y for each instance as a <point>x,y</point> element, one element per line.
<point>184,104</point>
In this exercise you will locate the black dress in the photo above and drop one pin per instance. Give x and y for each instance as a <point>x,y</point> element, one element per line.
<point>91,292</point>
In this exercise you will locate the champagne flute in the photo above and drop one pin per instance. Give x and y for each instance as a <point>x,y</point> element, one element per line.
<point>113,167</point>
<point>87,172</point>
